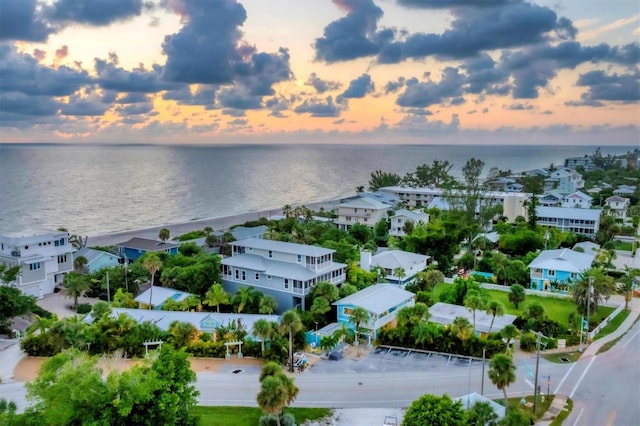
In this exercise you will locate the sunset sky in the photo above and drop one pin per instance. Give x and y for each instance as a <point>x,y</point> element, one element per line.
<point>341,71</point>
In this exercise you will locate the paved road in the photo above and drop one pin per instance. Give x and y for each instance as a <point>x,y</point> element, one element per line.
<point>606,387</point>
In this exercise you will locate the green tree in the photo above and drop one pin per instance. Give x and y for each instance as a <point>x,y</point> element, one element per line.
<point>182,333</point>
<point>434,410</point>
<point>593,286</point>
<point>164,234</point>
<point>358,317</point>
<point>319,308</point>
<point>399,273</point>
<point>516,295</point>
<point>245,297</point>
<point>74,286</point>
<point>277,390</point>
<point>462,328</point>
<point>263,330</point>
<point>8,274</point>
<point>123,299</point>
<point>13,303</point>
<point>496,309</point>
<point>482,414</point>
<point>502,372</point>
<point>626,285</point>
<point>515,417</point>
<point>267,305</point>
<point>290,324</point>
<point>216,296</point>
<point>152,263</point>
<point>79,264</point>
<point>327,290</point>
<point>380,179</point>
<point>473,302</point>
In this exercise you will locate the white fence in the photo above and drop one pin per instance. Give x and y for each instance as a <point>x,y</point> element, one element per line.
<point>606,321</point>
<point>490,286</point>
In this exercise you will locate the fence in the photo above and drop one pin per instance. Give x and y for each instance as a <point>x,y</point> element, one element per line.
<point>498,287</point>
<point>606,321</point>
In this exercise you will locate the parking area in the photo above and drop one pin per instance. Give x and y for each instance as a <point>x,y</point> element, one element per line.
<point>389,359</point>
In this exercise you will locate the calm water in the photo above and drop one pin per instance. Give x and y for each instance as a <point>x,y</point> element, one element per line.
<point>92,189</point>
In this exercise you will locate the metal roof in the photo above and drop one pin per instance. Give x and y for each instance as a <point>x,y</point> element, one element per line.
<point>276,268</point>
<point>445,313</point>
<point>364,203</point>
<point>147,245</point>
<point>283,247</point>
<point>563,260</point>
<point>92,254</point>
<point>377,298</point>
<point>161,295</point>
<point>568,213</point>
<point>392,259</point>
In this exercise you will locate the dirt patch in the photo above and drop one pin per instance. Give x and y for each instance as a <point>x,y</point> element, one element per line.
<point>27,369</point>
<point>352,352</point>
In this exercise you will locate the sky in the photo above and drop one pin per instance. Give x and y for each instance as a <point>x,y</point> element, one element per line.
<point>323,71</point>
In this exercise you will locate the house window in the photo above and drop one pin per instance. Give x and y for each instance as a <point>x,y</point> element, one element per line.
<point>244,276</point>
<point>551,273</point>
<point>237,274</point>
<point>34,266</point>
<point>257,276</point>
<point>299,258</point>
<point>268,277</point>
<point>62,258</point>
<point>347,311</point>
<point>270,254</point>
<point>286,283</point>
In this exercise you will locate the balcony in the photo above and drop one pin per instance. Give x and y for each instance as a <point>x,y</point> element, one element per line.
<point>16,253</point>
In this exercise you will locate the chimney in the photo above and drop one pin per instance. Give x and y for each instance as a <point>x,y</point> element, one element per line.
<point>365,260</point>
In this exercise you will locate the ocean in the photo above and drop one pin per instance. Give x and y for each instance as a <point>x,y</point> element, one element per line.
<point>98,189</point>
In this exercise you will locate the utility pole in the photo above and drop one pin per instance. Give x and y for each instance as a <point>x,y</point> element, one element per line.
<point>484,350</point>
<point>589,294</point>
<point>535,385</point>
<point>108,292</point>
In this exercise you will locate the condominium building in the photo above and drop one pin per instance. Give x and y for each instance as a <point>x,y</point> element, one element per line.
<point>581,221</point>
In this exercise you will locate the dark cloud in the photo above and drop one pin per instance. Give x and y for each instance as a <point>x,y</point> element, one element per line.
<point>112,77</point>
<point>21,72</point>
<point>134,98</point>
<point>135,109</point>
<point>614,87</point>
<point>321,85</point>
<point>422,126</point>
<point>19,21</point>
<point>421,95</point>
<point>359,87</point>
<point>354,35</point>
<point>262,71</point>
<point>204,95</point>
<point>238,98</point>
<point>448,4</point>
<point>519,107</point>
<point>278,105</point>
<point>394,86</point>
<point>238,122</point>
<point>21,104</point>
<point>484,76</point>
<point>319,108</point>
<point>93,12</point>
<point>234,112</point>
<point>89,105</point>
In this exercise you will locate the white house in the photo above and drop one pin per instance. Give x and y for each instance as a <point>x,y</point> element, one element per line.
<point>581,221</point>
<point>286,271</point>
<point>617,205</point>
<point>364,210</point>
<point>44,258</point>
<point>577,199</point>
<point>392,261</point>
<point>624,190</point>
<point>157,296</point>
<point>568,180</point>
<point>403,216</point>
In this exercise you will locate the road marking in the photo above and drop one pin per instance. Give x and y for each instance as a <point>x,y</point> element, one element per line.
<point>630,339</point>
<point>584,373</point>
<point>579,415</point>
<point>611,418</point>
<point>564,378</point>
<point>531,385</point>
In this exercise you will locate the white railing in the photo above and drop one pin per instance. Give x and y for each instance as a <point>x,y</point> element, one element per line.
<point>505,288</point>
<point>606,321</point>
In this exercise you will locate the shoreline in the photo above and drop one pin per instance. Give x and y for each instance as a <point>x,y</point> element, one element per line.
<point>217,223</point>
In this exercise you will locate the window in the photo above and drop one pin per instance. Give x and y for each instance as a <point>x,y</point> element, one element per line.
<point>237,274</point>
<point>551,273</point>
<point>34,266</point>
<point>299,258</point>
<point>286,283</point>
<point>270,254</point>
<point>244,276</point>
<point>62,258</point>
<point>268,277</point>
<point>347,311</point>
<point>257,276</point>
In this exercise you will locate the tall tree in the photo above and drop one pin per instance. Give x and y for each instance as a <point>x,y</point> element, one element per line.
<point>75,285</point>
<point>245,297</point>
<point>462,328</point>
<point>496,309</point>
<point>358,317</point>
<point>516,295</point>
<point>290,323</point>
<point>472,188</point>
<point>164,234</point>
<point>502,372</point>
<point>473,302</point>
<point>263,330</point>
<point>277,390</point>
<point>216,296</point>
<point>267,305</point>
<point>380,179</point>
<point>509,334</point>
<point>593,286</point>
<point>152,263</point>
<point>399,273</point>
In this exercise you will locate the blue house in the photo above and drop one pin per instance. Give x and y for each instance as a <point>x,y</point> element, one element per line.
<point>381,301</point>
<point>134,248</point>
<point>555,270</point>
<point>97,259</point>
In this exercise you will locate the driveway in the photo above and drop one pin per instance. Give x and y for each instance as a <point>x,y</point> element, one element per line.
<point>57,304</point>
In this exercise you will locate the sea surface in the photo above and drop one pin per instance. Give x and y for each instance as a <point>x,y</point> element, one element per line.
<point>98,189</point>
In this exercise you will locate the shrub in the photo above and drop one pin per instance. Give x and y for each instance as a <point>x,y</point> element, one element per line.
<point>83,308</point>
<point>528,342</point>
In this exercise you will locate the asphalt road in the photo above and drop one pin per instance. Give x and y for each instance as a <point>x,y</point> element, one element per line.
<point>606,388</point>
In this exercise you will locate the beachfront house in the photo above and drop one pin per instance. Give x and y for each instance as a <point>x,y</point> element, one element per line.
<point>577,199</point>
<point>567,180</point>
<point>400,267</point>
<point>381,301</point>
<point>286,271</point>
<point>555,270</point>
<point>238,233</point>
<point>585,162</point>
<point>617,205</point>
<point>551,198</point>
<point>581,221</point>
<point>404,216</point>
<point>97,259</point>
<point>363,209</point>
<point>446,313</point>
<point>157,296</point>
<point>134,248</point>
<point>43,257</point>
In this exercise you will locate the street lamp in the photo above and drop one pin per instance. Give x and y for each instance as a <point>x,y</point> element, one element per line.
<point>535,385</point>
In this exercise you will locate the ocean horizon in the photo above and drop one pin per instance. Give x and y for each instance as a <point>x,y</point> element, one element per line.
<point>94,189</point>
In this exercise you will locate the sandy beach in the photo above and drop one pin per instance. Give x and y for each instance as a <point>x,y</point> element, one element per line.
<point>217,223</point>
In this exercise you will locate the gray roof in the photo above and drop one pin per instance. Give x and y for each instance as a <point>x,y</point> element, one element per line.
<point>163,319</point>
<point>147,245</point>
<point>568,213</point>
<point>161,295</point>
<point>283,247</point>
<point>468,401</point>
<point>364,203</point>
<point>563,260</point>
<point>492,236</point>
<point>242,232</point>
<point>615,198</point>
<point>392,259</point>
<point>276,268</point>
<point>92,254</point>
<point>445,313</point>
<point>377,298</point>
<point>579,194</point>
<point>414,215</point>
<point>587,246</point>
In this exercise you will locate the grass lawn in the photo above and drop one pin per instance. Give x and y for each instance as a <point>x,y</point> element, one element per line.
<point>527,408</point>
<point>613,325</point>
<point>250,416</point>
<point>556,309</point>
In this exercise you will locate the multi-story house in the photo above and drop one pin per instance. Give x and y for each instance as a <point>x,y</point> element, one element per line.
<point>286,271</point>
<point>577,199</point>
<point>585,162</point>
<point>556,270</point>
<point>44,258</point>
<point>581,221</point>
<point>400,267</point>
<point>513,203</point>
<point>568,180</point>
<point>617,205</point>
<point>550,199</point>
<point>364,210</point>
<point>134,248</point>
<point>403,216</point>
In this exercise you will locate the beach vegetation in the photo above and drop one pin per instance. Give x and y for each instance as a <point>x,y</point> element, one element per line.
<point>13,303</point>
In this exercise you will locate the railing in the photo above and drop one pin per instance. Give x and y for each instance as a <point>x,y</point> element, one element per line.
<point>606,321</point>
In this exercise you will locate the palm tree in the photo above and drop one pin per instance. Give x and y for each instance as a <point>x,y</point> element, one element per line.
<point>75,286</point>
<point>627,284</point>
<point>216,296</point>
<point>502,372</point>
<point>328,342</point>
<point>152,264</point>
<point>399,273</point>
<point>164,234</point>
<point>591,288</point>
<point>287,211</point>
<point>509,333</point>
<point>268,305</point>
<point>473,302</point>
<point>495,309</point>
<point>290,323</point>
<point>79,263</point>
<point>426,332</point>
<point>462,328</point>
<point>263,330</point>
<point>327,290</point>
<point>244,297</point>
<point>358,317</point>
